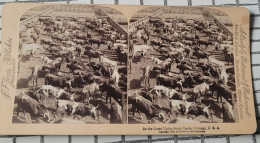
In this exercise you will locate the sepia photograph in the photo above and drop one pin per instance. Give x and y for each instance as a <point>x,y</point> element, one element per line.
<point>181,66</point>
<point>72,66</point>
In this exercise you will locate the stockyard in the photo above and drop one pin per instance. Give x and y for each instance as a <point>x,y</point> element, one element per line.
<point>72,66</point>
<point>181,66</point>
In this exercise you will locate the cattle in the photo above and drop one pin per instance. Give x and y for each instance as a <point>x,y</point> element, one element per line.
<point>73,66</point>
<point>172,82</point>
<point>92,54</point>
<point>141,48</point>
<point>26,104</point>
<point>32,48</point>
<point>108,61</point>
<point>145,106</point>
<point>200,90</point>
<point>116,113</point>
<point>68,106</point>
<point>222,91</point>
<point>89,90</point>
<point>96,41</point>
<point>156,60</point>
<point>201,55</point>
<point>115,75</point>
<point>87,109</point>
<point>112,91</point>
<point>46,60</point>
<point>227,111</point>
<point>61,82</point>
<point>183,67</point>
<point>224,75</point>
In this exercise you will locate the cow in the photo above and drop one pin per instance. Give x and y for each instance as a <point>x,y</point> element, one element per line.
<point>141,48</point>
<point>167,81</point>
<point>46,60</point>
<point>96,41</point>
<point>199,90</point>
<point>61,82</point>
<point>184,67</point>
<point>92,54</point>
<point>116,113</point>
<point>201,55</point>
<point>149,96</point>
<point>227,111</point>
<point>156,60</point>
<point>86,109</point>
<point>89,90</point>
<point>222,91</point>
<point>224,75</point>
<point>73,66</point>
<point>115,75</point>
<point>32,48</point>
<point>106,60</point>
<point>26,104</point>
<point>112,91</point>
<point>145,106</point>
<point>69,106</point>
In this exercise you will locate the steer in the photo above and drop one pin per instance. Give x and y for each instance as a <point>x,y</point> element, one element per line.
<point>199,90</point>
<point>30,47</point>
<point>222,91</point>
<point>201,55</point>
<point>167,81</point>
<point>227,111</point>
<point>145,106</point>
<point>116,113</point>
<point>92,54</point>
<point>112,91</point>
<point>61,82</point>
<point>89,90</point>
<point>26,104</point>
<point>96,41</point>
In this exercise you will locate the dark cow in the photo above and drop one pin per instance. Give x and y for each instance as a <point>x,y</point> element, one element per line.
<point>167,81</point>
<point>145,106</point>
<point>26,104</point>
<point>184,67</point>
<point>58,81</point>
<point>227,113</point>
<point>73,66</point>
<point>116,113</point>
<point>92,54</point>
<point>201,55</point>
<point>96,41</point>
<point>222,91</point>
<point>112,91</point>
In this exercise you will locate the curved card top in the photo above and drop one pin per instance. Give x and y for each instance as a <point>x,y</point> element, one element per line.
<point>107,70</point>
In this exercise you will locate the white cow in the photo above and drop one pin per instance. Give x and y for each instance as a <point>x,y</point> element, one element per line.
<point>115,76</point>
<point>106,60</point>
<point>156,60</point>
<point>30,48</point>
<point>224,75</point>
<point>141,48</point>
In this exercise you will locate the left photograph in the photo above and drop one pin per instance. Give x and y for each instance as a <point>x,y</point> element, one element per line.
<point>72,66</point>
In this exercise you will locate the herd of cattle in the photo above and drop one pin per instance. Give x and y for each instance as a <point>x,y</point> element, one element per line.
<point>82,70</point>
<point>74,63</point>
<point>181,71</point>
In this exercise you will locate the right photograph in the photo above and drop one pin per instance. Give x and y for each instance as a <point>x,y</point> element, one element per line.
<point>181,66</point>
